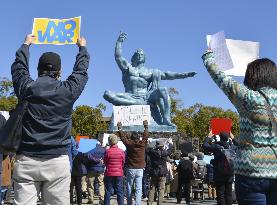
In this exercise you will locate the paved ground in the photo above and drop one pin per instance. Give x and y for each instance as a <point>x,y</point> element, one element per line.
<point>167,201</point>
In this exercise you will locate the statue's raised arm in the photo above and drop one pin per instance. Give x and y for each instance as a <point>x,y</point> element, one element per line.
<point>168,75</point>
<point>121,62</point>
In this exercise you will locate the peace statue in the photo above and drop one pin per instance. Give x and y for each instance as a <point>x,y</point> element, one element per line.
<point>142,85</point>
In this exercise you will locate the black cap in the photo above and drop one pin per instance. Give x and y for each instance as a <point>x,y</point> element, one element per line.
<point>224,136</point>
<point>49,61</point>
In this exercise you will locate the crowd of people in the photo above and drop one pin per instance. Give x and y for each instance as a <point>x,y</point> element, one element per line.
<point>47,166</point>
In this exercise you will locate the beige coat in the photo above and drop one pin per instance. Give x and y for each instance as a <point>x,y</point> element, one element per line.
<point>6,172</point>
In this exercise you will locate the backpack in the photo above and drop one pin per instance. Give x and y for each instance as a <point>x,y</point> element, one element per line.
<point>226,162</point>
<point>201,170</point>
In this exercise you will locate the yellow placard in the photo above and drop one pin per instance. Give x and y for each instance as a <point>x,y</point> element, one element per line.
<point>56,31</point>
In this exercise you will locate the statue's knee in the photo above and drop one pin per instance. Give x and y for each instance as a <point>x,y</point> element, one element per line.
<point>163,91</point>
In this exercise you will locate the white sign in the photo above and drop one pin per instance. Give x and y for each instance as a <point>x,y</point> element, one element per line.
<point>131,115</point>
<point>105,142</point>
<point>241,53</point>
<point>152,142</point>
<point>5,114</point>
<point>217,44</point>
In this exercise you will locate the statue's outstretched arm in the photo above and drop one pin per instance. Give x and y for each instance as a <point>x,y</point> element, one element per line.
<point>121,62</point>
<point>168,75</point>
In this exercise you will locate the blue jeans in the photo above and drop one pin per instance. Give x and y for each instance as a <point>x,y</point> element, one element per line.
<point>256,191</point>
<point>134,175</point>
<point>116,184</point>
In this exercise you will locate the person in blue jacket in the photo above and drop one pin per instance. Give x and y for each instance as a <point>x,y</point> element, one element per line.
<point>96,168</point>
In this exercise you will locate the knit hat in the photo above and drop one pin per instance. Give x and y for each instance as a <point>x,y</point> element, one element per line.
<point>224,136</point>
<point>49,61</point>
<point>113,139</point>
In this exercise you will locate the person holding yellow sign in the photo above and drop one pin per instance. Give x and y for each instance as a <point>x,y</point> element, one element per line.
<point>42,164</point>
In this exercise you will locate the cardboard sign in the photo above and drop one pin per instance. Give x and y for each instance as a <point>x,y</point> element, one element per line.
<point>221,124</point>
<point>56,31</point>
<point>131,115</point>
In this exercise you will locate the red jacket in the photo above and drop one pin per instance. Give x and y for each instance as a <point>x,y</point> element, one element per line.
<point>114,161</point>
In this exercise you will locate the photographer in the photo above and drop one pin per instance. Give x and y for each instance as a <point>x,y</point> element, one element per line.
<point>158,170</point>
<point>223,161</point>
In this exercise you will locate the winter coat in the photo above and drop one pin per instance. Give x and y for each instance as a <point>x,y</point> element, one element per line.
<point>93,166</point>
<point>47,122</point>
<point>216,148</point>
<point>78,169</point>
<point>114,161</point>
<point>135,149</point>
<point>158,158</point>
<point>210,173</point>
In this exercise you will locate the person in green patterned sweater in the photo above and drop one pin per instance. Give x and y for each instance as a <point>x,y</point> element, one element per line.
<point>256,103</point>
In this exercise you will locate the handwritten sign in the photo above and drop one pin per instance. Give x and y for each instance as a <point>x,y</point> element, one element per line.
<point>217,44</point>
<point>56,31</point>
<point>131,115</point>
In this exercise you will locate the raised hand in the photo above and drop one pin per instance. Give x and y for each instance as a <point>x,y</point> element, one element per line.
<point>191,74</point>
<point>119,125</point>
<point>81,42</point>
<point>29,39</point>
<point>145,124</point>
<point>122,37</point>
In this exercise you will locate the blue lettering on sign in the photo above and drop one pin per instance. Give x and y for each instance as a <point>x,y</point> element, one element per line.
<point>62,32</point>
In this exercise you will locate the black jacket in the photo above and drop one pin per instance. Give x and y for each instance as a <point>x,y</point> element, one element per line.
<point>215,148</point>
<point>47,123</point>
<point>185,170</point>
<point>158,159</point>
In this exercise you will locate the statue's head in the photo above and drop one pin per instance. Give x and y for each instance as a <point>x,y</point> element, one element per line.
<point>138,58</point>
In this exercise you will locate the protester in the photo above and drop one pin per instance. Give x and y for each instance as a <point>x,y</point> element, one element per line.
<point>96,172</point>
<point>2,123</point>
<point>135,161</point>
<point>174,182</point>
<point>76,175</point>
<point>114,162</point>
<point>255,165</point>
<point>42,162</point>
<point>210,180</point>
<point>200,173</point>
<point>223,181</point>
<point>146,175</point>
<point>185,175</point>
<point>158,157</point>
<point>72,150</point>
<point>84,186</point>
<point>201,166</point>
